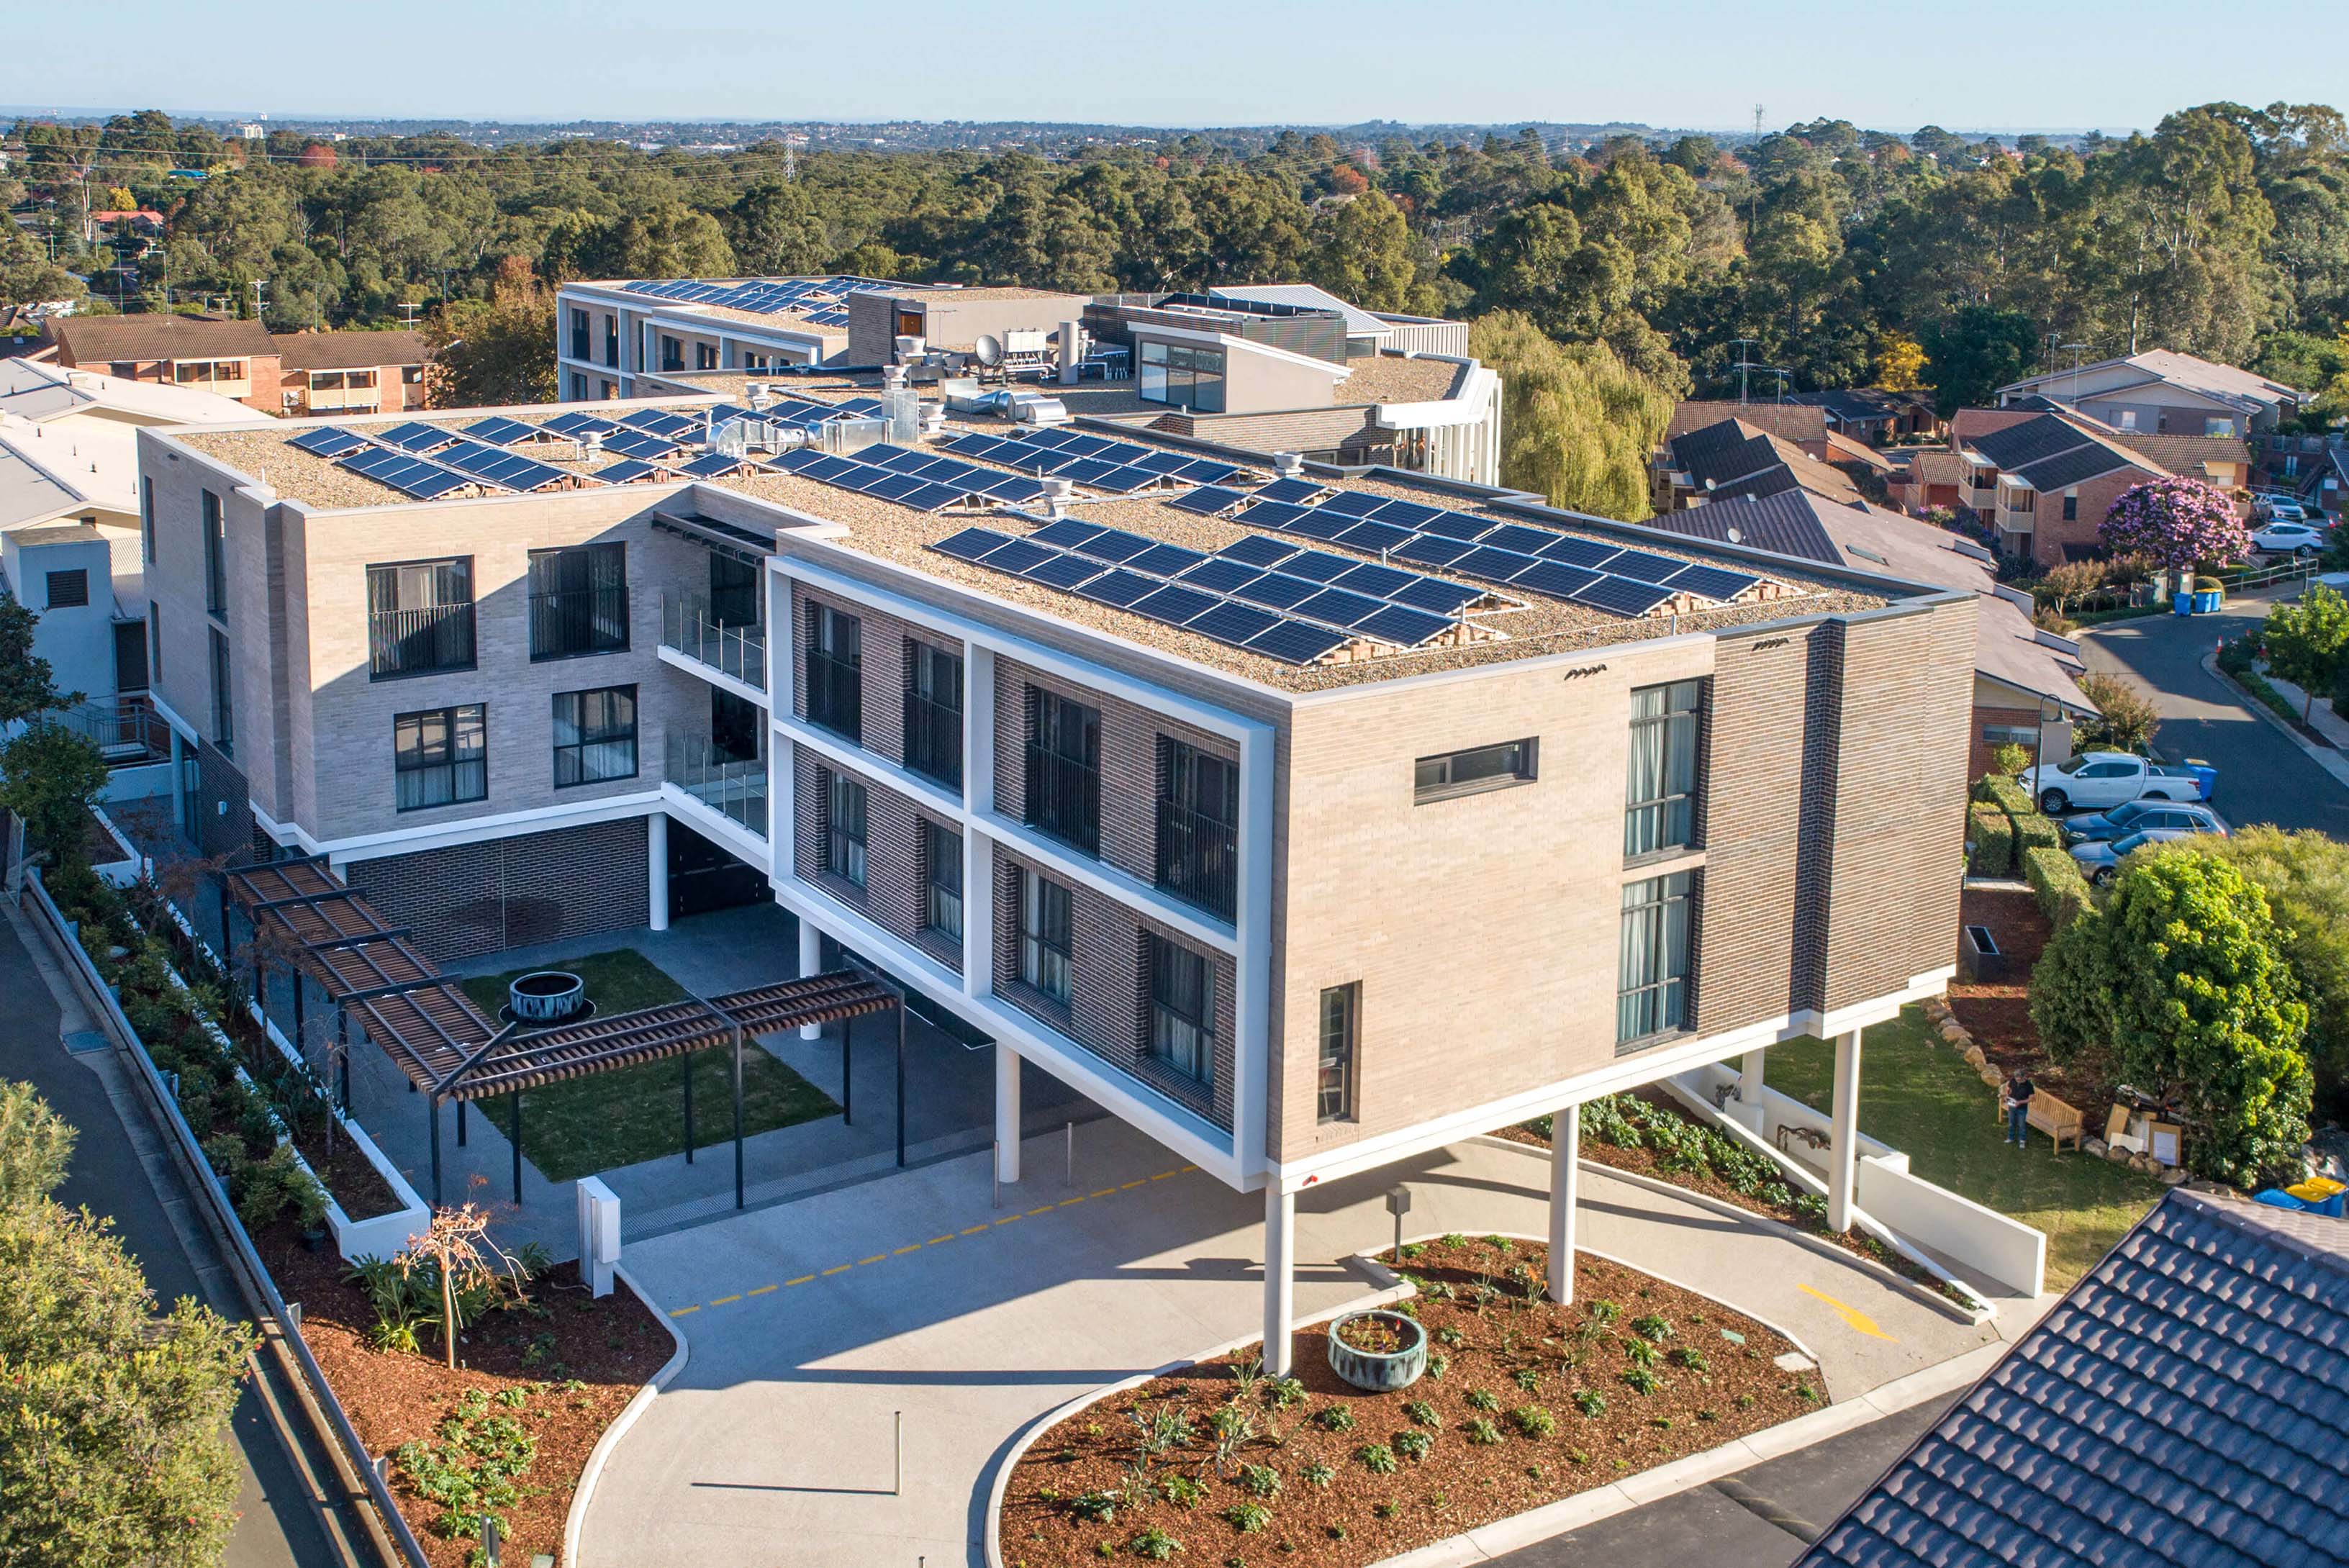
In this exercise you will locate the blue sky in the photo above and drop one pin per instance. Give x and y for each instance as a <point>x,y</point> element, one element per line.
<point>1991,64</point>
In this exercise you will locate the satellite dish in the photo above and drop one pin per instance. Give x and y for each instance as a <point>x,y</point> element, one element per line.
<point>988,349</point>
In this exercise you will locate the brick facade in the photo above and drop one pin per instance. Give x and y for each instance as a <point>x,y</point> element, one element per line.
<point>895,894</point>
<point>465,899</point>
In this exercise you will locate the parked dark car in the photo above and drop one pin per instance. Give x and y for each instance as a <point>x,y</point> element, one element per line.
<point>2137,817</point>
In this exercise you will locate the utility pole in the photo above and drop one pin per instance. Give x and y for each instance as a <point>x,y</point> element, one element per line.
<point>1744,361</point>
<point>260,298</point>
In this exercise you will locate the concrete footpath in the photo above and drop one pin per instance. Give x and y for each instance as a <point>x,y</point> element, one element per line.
<point>813,1324</point>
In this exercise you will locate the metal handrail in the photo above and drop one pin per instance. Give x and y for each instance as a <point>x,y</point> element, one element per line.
<point>734,789</point>
<point>579,621</point>
<point>412,641</point>
<point>1199,857</point>
<point>739,651</point>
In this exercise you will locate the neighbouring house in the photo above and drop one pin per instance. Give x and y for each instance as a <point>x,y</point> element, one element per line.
<point>1734,458</point>
<point>1281,368</point>
<point>2160,393</point>
<point>1928,478</point>
<point>274,373</point>
<point>1799,424</point>
<point>2221,460</point>
<point>2182,1404</point>
<point>2026,680</point>
<point>1107,742</point>
<point>2049,480</point>
<point>1872,416</point>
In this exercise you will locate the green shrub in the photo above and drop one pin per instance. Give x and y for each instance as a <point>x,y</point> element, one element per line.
<point>2035,833</point>
<point>2054,877</point>
<point>1247,1518</point>
<point>1260,1481</point>
<point>2006,794</point>
<point>1481,1432</point>
<point>1413,1443</point>
<point>1377,1458</point>
<point>1154,1545</point>
<point>1533,1420</point>
<point>1993,832</point>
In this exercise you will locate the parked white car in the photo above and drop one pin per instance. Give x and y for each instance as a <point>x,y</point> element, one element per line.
<point>2099,780</point>
<point>2281,538</point>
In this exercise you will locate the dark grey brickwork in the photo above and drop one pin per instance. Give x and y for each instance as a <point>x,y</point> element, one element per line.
<point>886,666</point>
<point>896,877</point>
<point>219,783</point>
<point>470,899</point>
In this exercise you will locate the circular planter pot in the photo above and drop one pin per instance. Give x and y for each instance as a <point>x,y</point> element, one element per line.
<point>1379,1371</point>
<point>545,997</point>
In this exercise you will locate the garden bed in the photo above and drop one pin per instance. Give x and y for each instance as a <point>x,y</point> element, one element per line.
<point>1529,1403</point>
<point>558,1371</point>
<point>1998,1016</point>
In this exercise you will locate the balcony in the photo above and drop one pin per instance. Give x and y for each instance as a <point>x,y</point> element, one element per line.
<point>419,641</point>
<point>739,651</point>
<point>1198,859</point>
<point>934,739</point>
<point>1064,798</point>
<point>579,621</point>
<point>733,788</point>
<point>835,694</point>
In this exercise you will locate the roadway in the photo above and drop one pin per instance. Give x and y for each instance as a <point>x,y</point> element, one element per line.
<point>121,1169</point>
<point>2263,777</point>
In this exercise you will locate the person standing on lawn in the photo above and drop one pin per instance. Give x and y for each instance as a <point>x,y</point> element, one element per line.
<point>2016,1098</point>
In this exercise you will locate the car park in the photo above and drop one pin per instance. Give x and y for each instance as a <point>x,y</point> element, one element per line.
<point>2098,781</point>
<point>2137,817</point>
<point>2100,862</point>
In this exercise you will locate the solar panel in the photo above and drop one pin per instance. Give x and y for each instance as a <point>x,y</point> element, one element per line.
<point>1220,574</point>
<point>1174,605</point>
<point>1319,565</point>
<point>1055,439</point>
<point>328,442</point>
<point>1447,524</point>
<point>1340,608</point>
<point>1161,462</point>
<point>1278,590</point>
<point>1165,559</point>
<point>1379,581</point>
<point>1396,624</point>
<point>1081,470</point>
<point>1436,597</point>
<point>1294,491</point>
<point>830,470</point>
<point>1713,581</point>
<point>1124,479</point>
<point>973,445</point>
<point>1256,550</point>
<point>1209,500</point>
<point>931,498</point>
<point>1064,571</point>
<point>1555,578</point>
<point>415,436</point>
<point>1280,515</point>
<point>1317,524</point>
<point>499,431</point>
<point>888,457</point>
<point>714,465</point>
<point>1411,514</point>
<point>971,543</point>
<point>1117,544</point>
<point>630,471</point>
<point>1622,595</point>
<point>1234,623</point>
<point>1376,537</point>
<point>639,444</point>
<point>661,423</point>
<point>891,486</point>
<point>1588,553</point>
<point>1296,643</point>
<point>1016,488</point>
<point>501,467</point>
<point>1516,536</point>
<point>1430,550</point>
<point>1644,564</point>
<point>1501,565</point>
<point>1354,503</point>
<point>412,477</point>
<point>1206,471</point>
<point>800,458</point>
<point>1068,534</point>
<point>1120,588</point>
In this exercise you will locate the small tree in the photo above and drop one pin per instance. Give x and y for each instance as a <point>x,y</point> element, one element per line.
<point>456,1247</point>
<point>2065,585</point>
<point>2124,720</point>
<point>2305,878</point>
<point>2304,639</point>
<point>27,686</point>
<point>2176,522</point>
<point>34,1144</point>
<point>2182,976</point>
<point>48,776</point>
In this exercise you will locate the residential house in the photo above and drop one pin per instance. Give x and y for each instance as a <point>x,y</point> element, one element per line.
<point>2026,680</point>
<point>350,372</point>
<point>1872,416</point>
<point>1929,478</point>
<point>2050,480</point>
<point>1306,820</point>
<point>2161,392</point>
<point>274,373</point>
<point>1799,424</point>
<point>1734,458</point>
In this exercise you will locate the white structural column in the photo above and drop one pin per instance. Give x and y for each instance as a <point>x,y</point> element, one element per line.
<point>1565,1158</point>
<point>657,869</point>
<point>178,788</point>
<point>1280,1283</point>
<point>1749,1090</point>
<point>1007,1113</point>
<point>1842,1152</point>
<point>811,959</point>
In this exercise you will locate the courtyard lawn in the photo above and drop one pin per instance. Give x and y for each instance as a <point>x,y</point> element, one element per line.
<point>606,1120</point>
<point>1919,1098</point>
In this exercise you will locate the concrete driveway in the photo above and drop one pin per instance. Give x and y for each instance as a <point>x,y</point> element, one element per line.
<point>811,1322</point>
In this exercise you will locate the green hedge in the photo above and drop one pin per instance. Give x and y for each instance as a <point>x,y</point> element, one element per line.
<point>2054,876</point>
<point>2007,796</point>
<point>2033,832</point>
<point>1993,832</point>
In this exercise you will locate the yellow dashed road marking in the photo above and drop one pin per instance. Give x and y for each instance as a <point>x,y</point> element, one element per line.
<point>901,1251</point>
<point>934,1241</point>
<point>1068,1202</point>
<point>725,1300</point>
<point>1130,1186</point>
<point>801,1280</point>
<point>1858,1321</point>
<point>1011,1219</point>
<point>1104,1192</point>
<point>684,1311</point>
<point>972,1229</point>
<point>1041,1209</point>
<point>839,1268</point>
<point>875,1258</point>
<point>1164,1175</point>
<point>762,1290</point>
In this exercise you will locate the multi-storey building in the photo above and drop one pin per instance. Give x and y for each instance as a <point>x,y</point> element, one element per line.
<point>1287,368</point>
<point>291,373</point>
<point>1306,820</point>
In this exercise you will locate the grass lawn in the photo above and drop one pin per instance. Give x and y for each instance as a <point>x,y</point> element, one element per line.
<point>605,1121</point>
<point>1920,1099</point>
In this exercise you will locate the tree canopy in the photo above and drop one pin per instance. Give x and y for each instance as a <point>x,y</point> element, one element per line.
<point>1577,423</point>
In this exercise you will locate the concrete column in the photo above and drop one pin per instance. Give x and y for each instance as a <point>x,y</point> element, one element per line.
<point>811,959</point>
<point>178,795</point>
<point>1842,1152</point>
<point>1749,1090</point>
<point>1279,1284</point>
<point>657,869</point>
<point>1007,1113</point>
<point>1564,1153</point>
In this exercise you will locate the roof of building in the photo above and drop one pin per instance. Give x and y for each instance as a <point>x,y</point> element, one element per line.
<point>1395,379</point>
<point>1862,405</point>
<point>1792,421</point>
<point>1733,457</point>
<point>2054,452</point>
<point>2225,383</point>
<point>347,350</point>
<point>1843,451</point>
<point>2185,1403</point>
<point>2189,454</point>
<point>30,492</point>
<point>1968,426</point>
<point>799,304</point>
<point>1446,541</point>
<point>1935,465</point>
<point>1359,323</point>
<point>87,339</point>
<point>2007,646</point>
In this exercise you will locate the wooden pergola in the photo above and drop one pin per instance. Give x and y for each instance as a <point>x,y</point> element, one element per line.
<point>450,1051</point>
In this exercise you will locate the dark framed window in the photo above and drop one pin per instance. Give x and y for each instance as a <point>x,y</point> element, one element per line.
<point>595,736</point>
<point>705,357</point>
<point>1198,827</point>
<point>1188,378</point>
<point>934,713</point>
<point>419,618</point>
<point>130,656</point>
<point>441,756</point>
<point>672,352</point>
<point>68,589</point>
<point>1065,769</point>
<point>612,341</point>
<point>223,694</point>
<point>1659,783</point>
<point>734,590</point>
<point>733,727</point>
<point>1183,1010</point>
<point>845,846</point>
<point>215,561</point>
<point>942,880</point>
<point>147,518</point>
<point>835,671</point>
<point>578,333</point>
<point>1652,984</point>
<point>155,642</point>
<point>1044,939</point>
<point>1333,1094</point>
<point>578,601</point>
<point>1473,772</point>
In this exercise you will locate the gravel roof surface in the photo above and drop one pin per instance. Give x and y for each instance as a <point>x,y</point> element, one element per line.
<point>1391,379</point>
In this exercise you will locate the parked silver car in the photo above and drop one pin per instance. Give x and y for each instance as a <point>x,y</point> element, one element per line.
<point>2138,817</point>
<point>2100,861</point>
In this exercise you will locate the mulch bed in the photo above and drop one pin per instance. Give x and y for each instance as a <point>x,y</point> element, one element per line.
<point>357,1186</point>
<point>1999,1016</point>
<point>1359,1516</point>
<point>577,1365</point>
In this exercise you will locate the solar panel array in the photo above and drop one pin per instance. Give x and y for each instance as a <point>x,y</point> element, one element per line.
<point>821,302</point>
<point>926,482</point>
<point>1120,468</point>
<point>1267,595</point>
